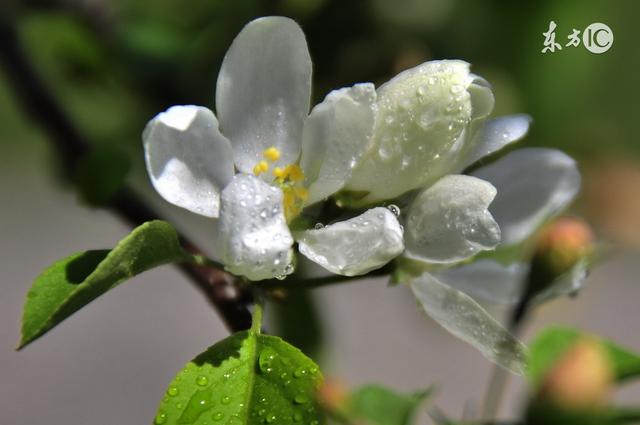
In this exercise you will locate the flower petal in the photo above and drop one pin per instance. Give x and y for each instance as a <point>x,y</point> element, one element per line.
<point>264,89</point>
<point>496,134</point>
<point>533,185</point>
<point>253,236</point>
<point>463,317</point>
<point>188,160</point>
<point>421,129</point>
<point>355,246</point>
<point>566,285</point>
<point>449,221</point>
<point>336,135</point>
<point>487,280</point>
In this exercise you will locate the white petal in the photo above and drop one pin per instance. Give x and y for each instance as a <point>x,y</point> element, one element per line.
<point>487,280</point>
<point>533,185</point>
<point>449,221</point>
<point>355,246</point>
<point>264,89</point>
<point>567,285</point>
<point>422,127</point>
<point>496,134</point>
<point>253,236</point>
<point>188,160</point>
<point>463,317</point>
<point>336,135</point>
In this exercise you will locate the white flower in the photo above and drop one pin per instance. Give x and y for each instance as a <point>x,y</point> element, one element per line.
<point>265,158</point>
<point>284,159</point>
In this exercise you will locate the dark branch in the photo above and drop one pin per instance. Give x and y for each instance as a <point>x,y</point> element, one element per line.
<point>220,288</point>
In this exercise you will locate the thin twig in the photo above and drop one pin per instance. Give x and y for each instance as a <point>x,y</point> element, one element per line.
<point>221,289</point>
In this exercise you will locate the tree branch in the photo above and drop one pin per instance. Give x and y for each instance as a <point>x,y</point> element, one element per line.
<point>230,299</point>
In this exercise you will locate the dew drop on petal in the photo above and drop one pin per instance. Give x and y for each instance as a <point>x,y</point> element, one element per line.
<point>394,209</point>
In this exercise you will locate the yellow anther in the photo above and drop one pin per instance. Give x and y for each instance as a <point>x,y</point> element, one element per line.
<point>279,173</point>
<point>295,173</point>
<point>260,168</point>
<point>272,154</point>
<point>302,193</point>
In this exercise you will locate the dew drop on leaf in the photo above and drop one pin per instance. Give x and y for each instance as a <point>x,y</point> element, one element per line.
<point>160,418</point>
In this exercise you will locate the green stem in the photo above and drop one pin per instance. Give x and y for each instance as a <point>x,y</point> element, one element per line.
<point>256,319</point>
<point>201,260</point>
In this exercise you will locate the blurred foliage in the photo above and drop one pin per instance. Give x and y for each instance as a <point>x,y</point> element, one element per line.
<point>116,63</point>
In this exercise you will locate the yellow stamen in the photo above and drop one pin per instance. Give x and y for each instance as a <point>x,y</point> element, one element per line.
<point>302,193</point>
<point>272,154</point>
<point>295,173</point>
<point>279,173</point>
<point>260,168</point>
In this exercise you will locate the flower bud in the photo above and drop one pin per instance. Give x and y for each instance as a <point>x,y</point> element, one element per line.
<point>562,244</point>
<point>333,395</point>
<point>580,380</point>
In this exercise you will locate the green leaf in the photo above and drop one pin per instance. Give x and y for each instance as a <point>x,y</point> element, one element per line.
<point>247,378</point>
<point>73,282</point>
<point>552,343</point>
<point>376,405</point>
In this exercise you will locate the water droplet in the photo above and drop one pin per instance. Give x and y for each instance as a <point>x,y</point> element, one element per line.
<point>422,90</point>
<point>217,416</point>
<point>173,391</point>
<point>389,119</point>
<point>505,135</point>
<point>271,418</point>
<point>456,88</point>
<point>394,209</point>
<point>160,418</point>
<point>263,213</point>
<point>300,372</point>
<point>225,400</point>
<point>199,403</point>
<point>284,375</point>
<point>300,399</point>
<point>432,80</point>
<point>384,152</point>
<point>297,417</point>
<point>262,412</point>
<point>202,380</point>
<point>265,361</point>
<point>318,226</point>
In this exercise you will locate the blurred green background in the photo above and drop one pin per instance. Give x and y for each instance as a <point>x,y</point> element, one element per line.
<point>114,64</point>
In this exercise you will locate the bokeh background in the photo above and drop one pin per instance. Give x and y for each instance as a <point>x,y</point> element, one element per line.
<point>113,64</point>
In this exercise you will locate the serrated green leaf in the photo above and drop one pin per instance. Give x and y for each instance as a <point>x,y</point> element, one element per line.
<point>552,343</point>
<point>377,405</point>
<point>247,378</point>
<point>73,282</point>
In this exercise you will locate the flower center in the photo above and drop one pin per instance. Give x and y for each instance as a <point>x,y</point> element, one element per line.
<point>289,179</point>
